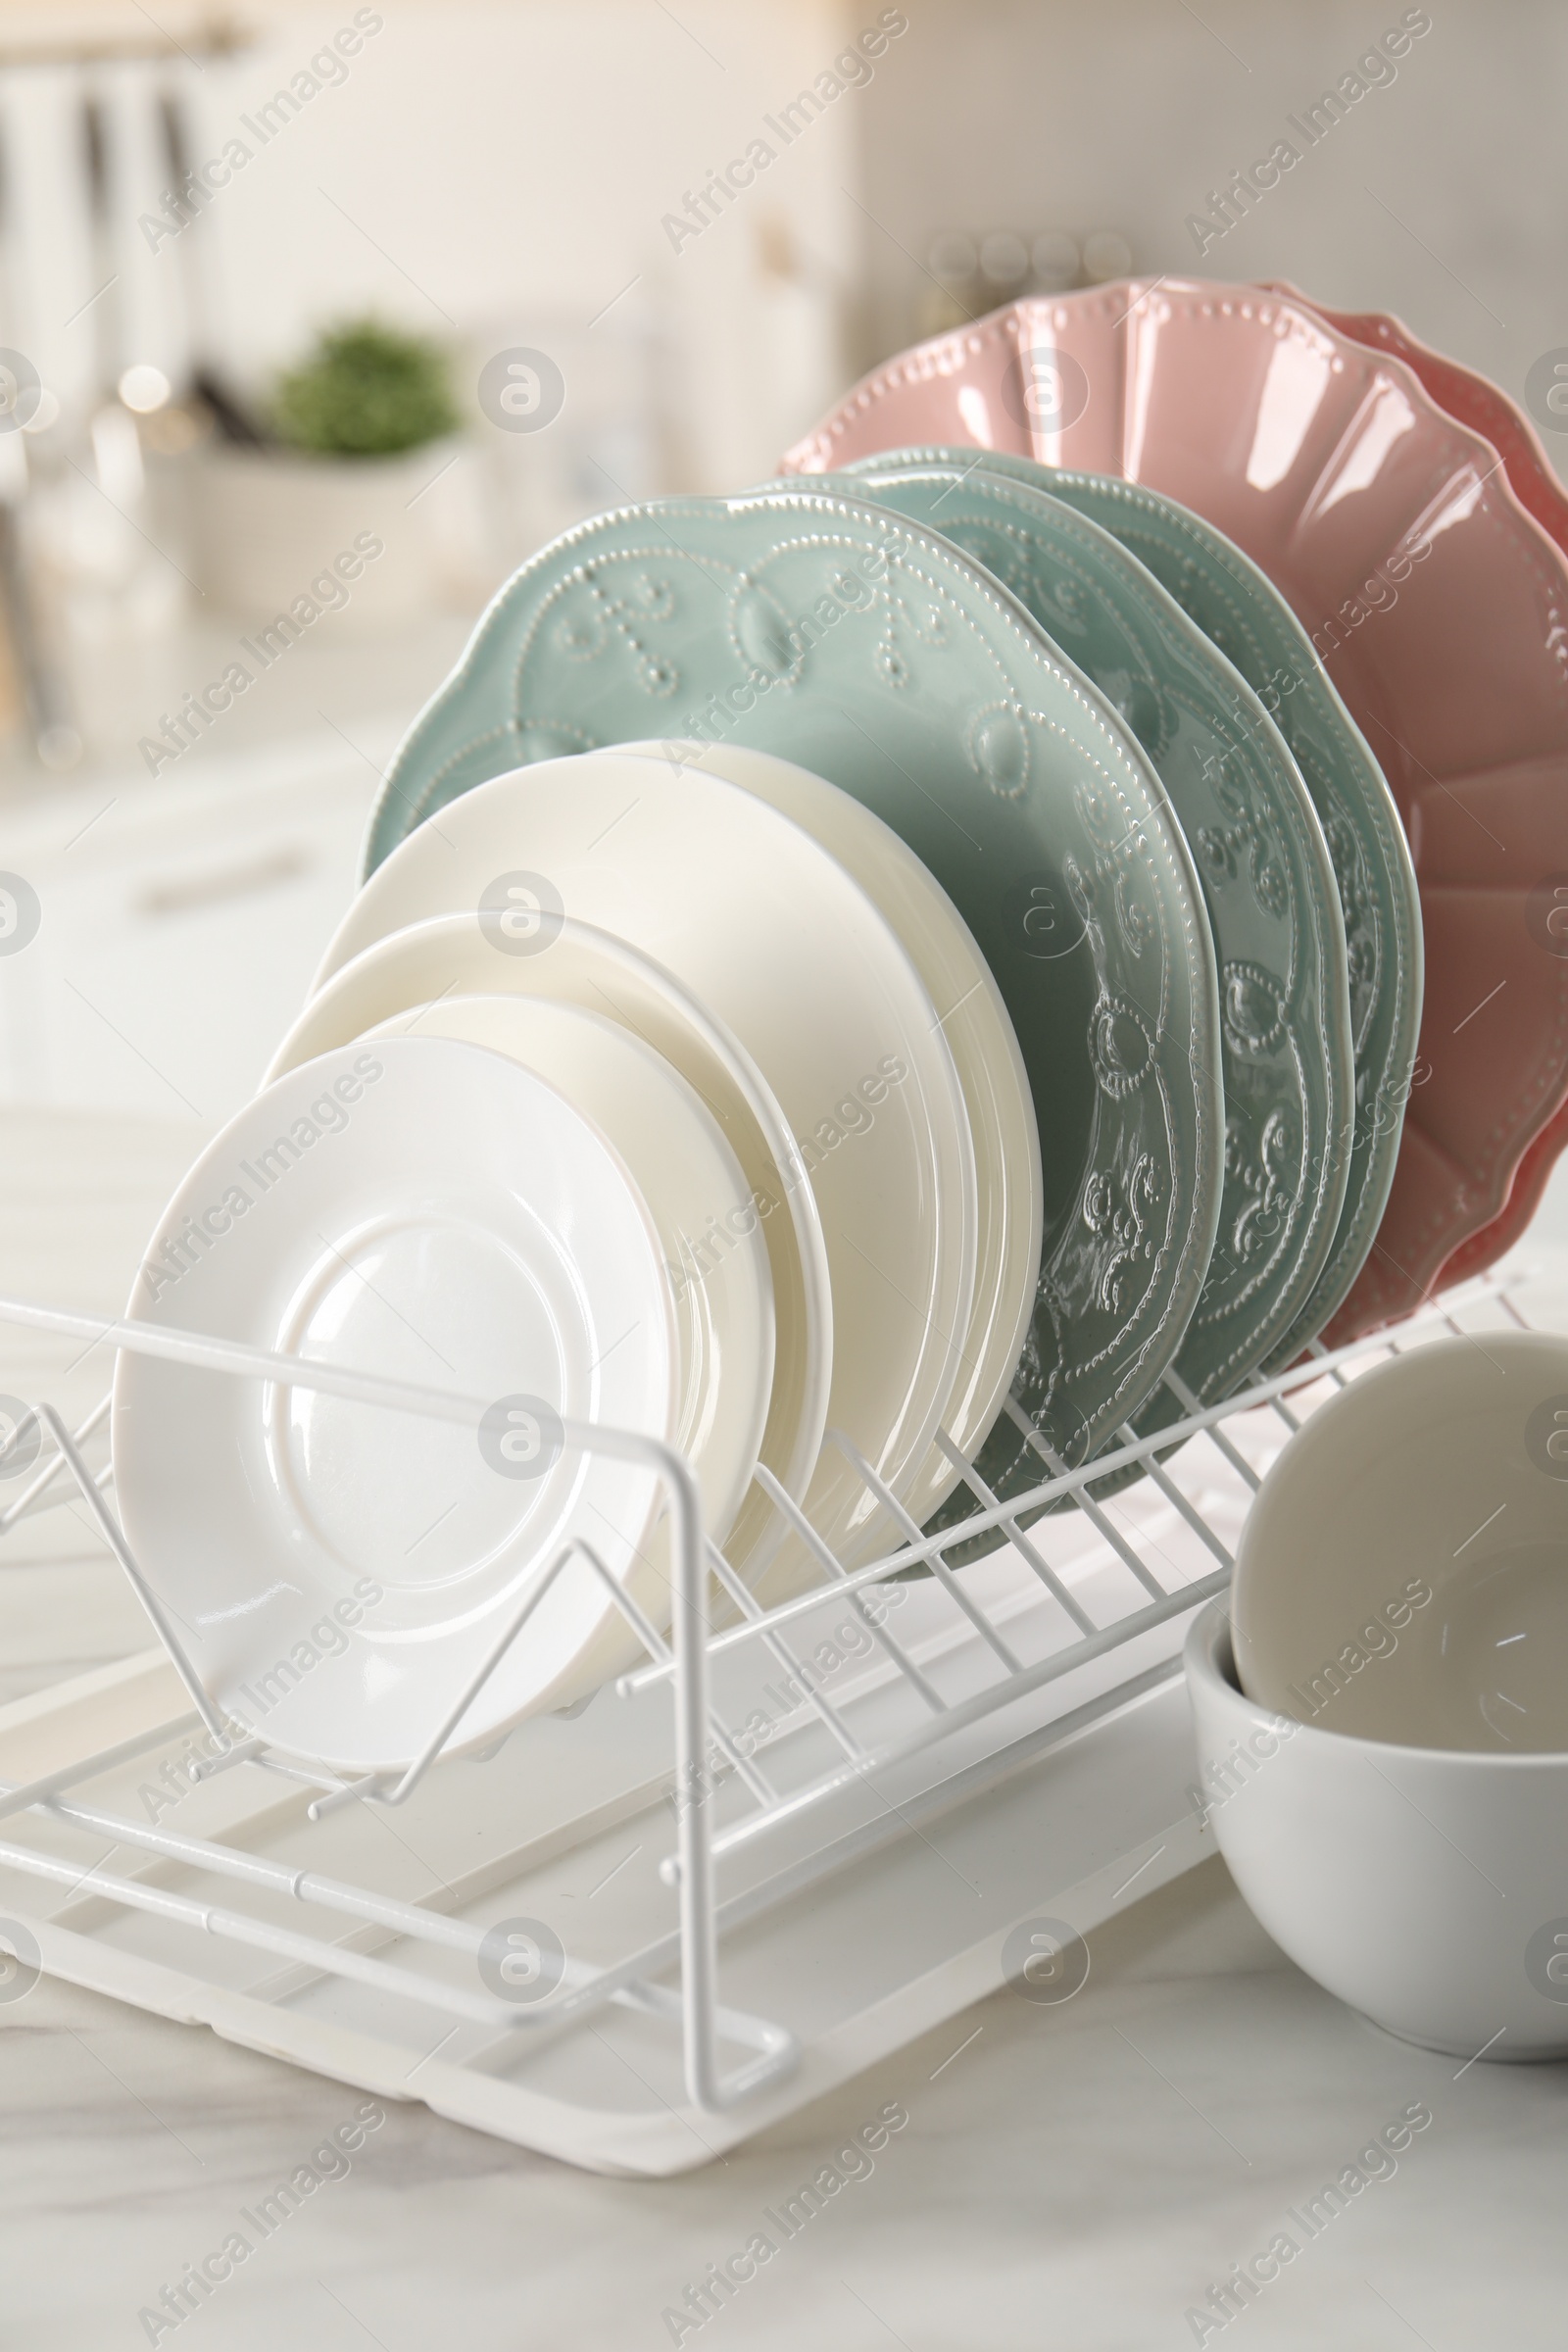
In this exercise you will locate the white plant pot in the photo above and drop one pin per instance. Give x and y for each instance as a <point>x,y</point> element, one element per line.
<point>363,538</point>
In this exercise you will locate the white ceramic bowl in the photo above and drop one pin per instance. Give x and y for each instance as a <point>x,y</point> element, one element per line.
<point>1403,1571</point>
<point>1428,1887</point>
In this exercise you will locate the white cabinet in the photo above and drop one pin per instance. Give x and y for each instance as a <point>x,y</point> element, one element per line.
<point>180,925</point>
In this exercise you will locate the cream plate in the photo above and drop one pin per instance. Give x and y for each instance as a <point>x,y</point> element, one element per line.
<point>985,1050</point>
<point>767,929</point>
<point>428,1211</point>
<point>715,1253</point>
<point>451,955</point>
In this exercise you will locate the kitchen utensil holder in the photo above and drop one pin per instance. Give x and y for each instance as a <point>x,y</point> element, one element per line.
<point>948,1718</point>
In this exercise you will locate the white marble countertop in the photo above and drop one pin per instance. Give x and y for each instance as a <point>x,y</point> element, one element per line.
<point>1080,2175</point>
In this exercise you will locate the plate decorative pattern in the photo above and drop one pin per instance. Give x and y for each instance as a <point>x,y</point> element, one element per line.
<point>875,654</point>
<point>1230,600</point>
<point>1268,885</point>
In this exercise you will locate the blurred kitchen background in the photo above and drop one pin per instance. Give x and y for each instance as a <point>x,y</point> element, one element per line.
<point>448,277</point>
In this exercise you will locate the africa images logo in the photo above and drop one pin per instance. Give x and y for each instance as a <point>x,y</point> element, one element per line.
<point>1228,205</point>
<point>178,1250</point>
<point>850,69</point>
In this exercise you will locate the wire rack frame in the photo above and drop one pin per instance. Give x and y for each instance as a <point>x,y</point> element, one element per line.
<point>708,1754</point>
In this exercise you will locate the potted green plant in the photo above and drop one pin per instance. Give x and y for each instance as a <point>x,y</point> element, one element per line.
<point>327,513</point>
<point>365,391</point>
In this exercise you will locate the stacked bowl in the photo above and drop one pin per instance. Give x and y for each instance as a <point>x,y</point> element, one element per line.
<point>885,983</point>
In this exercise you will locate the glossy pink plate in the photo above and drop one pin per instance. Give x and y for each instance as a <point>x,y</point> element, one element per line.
<point>1440,609</point>
<point>1487,411</point>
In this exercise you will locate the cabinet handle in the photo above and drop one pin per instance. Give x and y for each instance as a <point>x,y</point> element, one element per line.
<point>227,882</point>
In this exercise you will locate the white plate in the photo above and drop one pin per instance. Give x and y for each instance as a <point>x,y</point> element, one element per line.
<point>767,929</point>
<point>453,955</point>
<point>708,1224</point>
<point>429,1211</point>
<point>985,1050</point>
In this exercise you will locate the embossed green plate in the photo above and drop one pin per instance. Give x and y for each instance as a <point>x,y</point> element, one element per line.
<point>1238,608</point>
<point>808,622</point>
<point>1284,1003</point>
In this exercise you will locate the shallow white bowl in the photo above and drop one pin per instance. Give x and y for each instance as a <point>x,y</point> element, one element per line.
<point>1428,1887</point>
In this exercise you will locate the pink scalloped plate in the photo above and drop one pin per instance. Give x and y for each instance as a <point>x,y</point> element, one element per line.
<point>1440,609</point>
<point>1487,411</point>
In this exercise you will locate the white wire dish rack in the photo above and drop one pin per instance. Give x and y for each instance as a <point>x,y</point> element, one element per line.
<point>871,1802</point>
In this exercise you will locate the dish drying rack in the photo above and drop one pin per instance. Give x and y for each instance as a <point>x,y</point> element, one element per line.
<point>877,1799</point>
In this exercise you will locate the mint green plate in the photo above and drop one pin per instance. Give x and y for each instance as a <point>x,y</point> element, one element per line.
<point>1244,615</point>
<point>806,621</point>
<point>1268,884</point>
